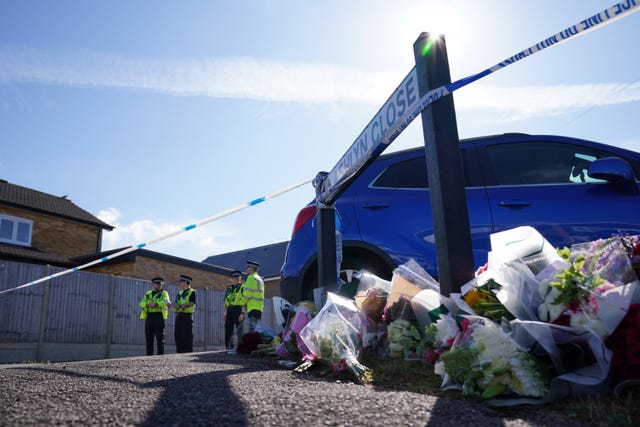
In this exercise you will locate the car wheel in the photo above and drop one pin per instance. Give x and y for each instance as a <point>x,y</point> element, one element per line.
<point>349,266</point>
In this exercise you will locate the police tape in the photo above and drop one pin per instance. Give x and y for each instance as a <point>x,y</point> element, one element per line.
<point>166,236</point>
<point>341,174</point>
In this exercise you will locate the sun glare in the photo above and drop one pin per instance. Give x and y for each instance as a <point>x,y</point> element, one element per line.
<point>435,19</point>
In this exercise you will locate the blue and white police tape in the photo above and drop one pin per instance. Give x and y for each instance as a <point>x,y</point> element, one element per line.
<point>607,16</point>
<point>347,166</point>
<point>158,239</point>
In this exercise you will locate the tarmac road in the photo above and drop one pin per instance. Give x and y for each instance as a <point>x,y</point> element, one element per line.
<point>216,389</point>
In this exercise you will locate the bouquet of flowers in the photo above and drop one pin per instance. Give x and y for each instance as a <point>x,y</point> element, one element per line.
<point>439,337</point>
<point>486,362</point>
<point>404,338</point>
<point>593,290</point>
<point>483,300</point>
<point>632,247</point>
<point>625,345</point>
<point>333,337</point>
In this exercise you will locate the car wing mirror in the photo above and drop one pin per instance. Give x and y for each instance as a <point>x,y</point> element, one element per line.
<point>612,169</point>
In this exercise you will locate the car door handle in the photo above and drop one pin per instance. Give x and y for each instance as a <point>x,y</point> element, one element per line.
<point>515,204</point>
<point>375,207</point>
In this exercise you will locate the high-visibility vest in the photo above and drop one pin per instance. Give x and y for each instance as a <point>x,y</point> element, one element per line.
<point>253,292</point>
<point>239,299</point>
<point>233,295</point>
<point>161,298</point>
<point>183,298</point>
<point>230,294</point>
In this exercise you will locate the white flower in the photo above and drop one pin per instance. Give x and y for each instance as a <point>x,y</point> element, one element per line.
<point>543,287</point>
<point>580,320</point>
<point>543,312</point>
<point>505,362</point>
<point>585,321</point>
<point>555,310</point>
<point>548,311</point>
<point>447,328</point>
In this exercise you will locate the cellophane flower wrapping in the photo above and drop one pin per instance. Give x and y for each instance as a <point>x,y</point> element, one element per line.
<point>407,281</point>
<point>592,290</point>
<point>289,345</point>
<point>371,295</point>
<point>579,357</point>
<point>485,361</point>
<point>333,337</point>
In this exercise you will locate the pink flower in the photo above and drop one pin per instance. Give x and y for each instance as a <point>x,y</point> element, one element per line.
<point>482,269</point>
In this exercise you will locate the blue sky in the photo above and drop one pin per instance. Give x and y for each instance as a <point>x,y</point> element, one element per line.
<point>153,115</point>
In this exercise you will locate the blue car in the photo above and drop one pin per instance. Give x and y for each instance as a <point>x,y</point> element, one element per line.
<point>570,190</point>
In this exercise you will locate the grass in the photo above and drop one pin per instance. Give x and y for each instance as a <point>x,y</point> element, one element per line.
<point>417,377</point>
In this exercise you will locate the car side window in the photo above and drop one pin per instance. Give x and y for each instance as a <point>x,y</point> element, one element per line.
<point>410,173</point>
<point>530,163</point>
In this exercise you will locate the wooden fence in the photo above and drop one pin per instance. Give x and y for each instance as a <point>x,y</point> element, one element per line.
<point>83,315</point>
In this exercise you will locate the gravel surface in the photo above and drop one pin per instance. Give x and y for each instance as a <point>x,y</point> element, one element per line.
<point>216,389</point>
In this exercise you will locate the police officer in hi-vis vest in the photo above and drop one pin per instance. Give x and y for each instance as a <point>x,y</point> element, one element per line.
<point>184,306</point>
<point>155,310</point>
<point>233,315</point>
<point>253,293</point>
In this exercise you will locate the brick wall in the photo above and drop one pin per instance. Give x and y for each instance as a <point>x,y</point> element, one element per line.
<point>58,236</point>
<point>147,268</point>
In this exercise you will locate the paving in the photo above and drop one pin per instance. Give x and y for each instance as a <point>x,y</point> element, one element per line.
<point>218,389</point>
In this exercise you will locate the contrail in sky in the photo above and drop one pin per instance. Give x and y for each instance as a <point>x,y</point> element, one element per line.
<point>293,82</point>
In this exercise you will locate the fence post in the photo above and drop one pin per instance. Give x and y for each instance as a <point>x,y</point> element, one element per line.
<point>110,314</point>
<point>43,317</point>
<point>444,166</point>
<point>206,317</point>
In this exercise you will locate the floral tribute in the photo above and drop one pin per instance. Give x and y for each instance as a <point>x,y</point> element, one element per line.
<point>536,324</point>
<point>488,363</point>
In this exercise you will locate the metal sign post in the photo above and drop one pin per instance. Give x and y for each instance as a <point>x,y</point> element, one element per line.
<point>327,257</point>
<point>326,234</point>
<point>444,165</point>
<point>421,91</point>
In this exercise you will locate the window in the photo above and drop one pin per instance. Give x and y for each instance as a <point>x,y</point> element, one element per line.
<point>528,163</point>
<point>15,230</point>
<point>406,174</point>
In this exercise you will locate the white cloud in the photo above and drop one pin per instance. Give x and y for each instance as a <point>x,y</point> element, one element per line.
<point>196,244</point>
<point>513,103</point>
<point>297,82</point>
<point>247,78</point>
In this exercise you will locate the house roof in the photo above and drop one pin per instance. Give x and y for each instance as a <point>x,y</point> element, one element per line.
<point>270,257</point>
<point>37,201</point>
<point>131,256</point>
<point>32,255</point>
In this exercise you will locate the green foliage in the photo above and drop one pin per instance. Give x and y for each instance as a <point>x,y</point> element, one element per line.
<point>574,285</point>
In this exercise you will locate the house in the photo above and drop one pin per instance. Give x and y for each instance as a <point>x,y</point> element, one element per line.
<point>40,228</point>
<point>142,263</point>
<point>270,257</point>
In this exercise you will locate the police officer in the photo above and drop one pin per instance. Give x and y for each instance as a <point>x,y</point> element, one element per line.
<point>184,306</point>
<point>155,310</point>
<point>233,316</point>
<point>253,293</point>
